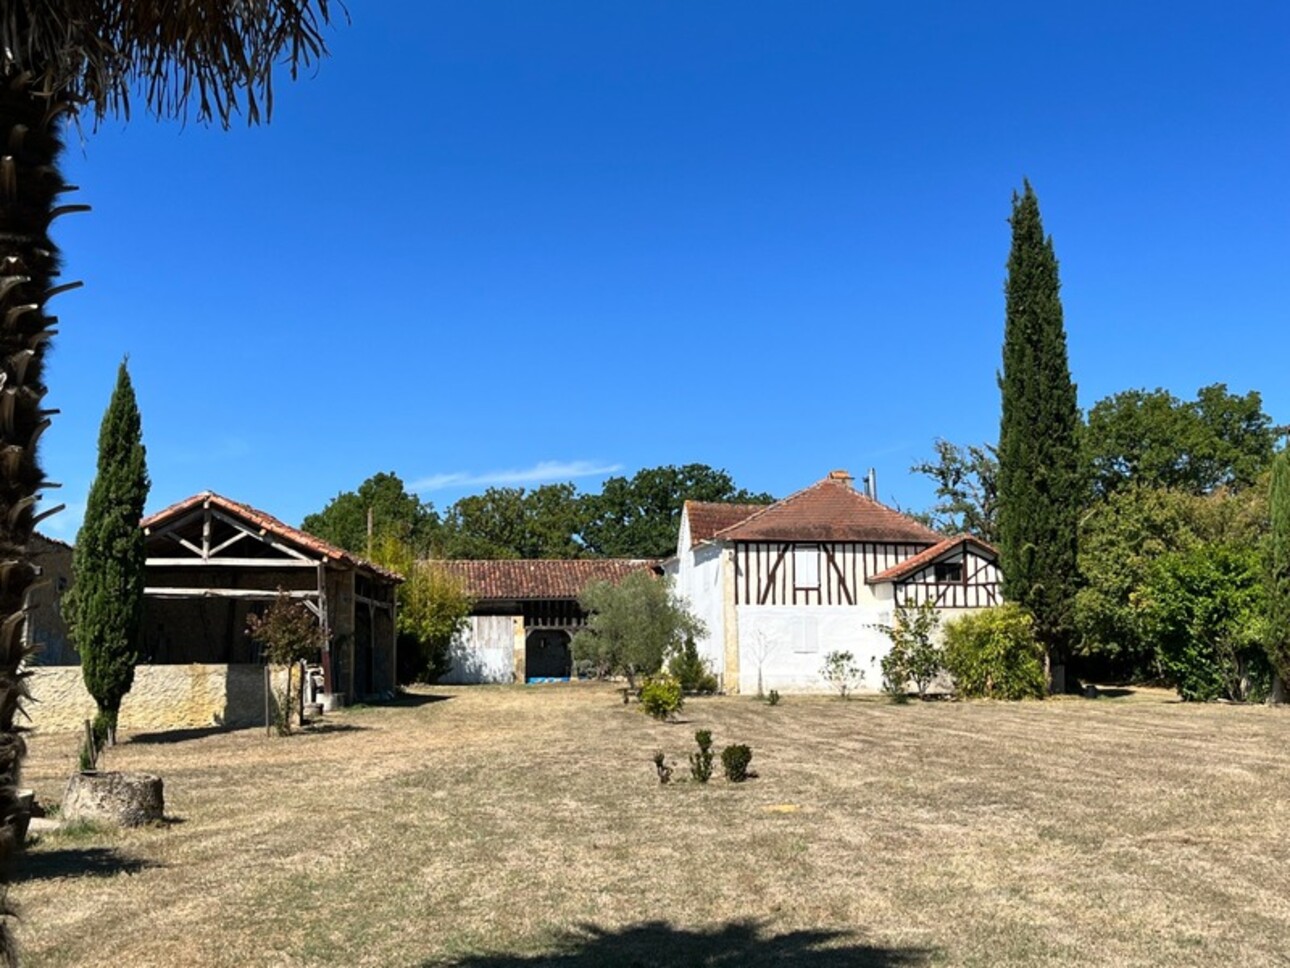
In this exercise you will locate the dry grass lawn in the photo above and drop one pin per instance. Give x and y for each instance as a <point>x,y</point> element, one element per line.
<point>509,826</point>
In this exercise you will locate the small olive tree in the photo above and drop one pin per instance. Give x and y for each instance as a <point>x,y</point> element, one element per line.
<point>634,625</point>
<point>288,632</point>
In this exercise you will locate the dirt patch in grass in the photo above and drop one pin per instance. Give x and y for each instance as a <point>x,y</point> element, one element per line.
<point>524,826</point>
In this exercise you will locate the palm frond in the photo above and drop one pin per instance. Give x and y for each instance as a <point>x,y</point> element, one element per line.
<point>210,58</point>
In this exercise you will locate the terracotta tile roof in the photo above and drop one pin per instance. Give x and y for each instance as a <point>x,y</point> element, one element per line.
<point>544,578</point>
<point>709,517</point>
<point>52,540</point>
<point>829,510</point>
<point>924,558</point>
<point>270,524</point>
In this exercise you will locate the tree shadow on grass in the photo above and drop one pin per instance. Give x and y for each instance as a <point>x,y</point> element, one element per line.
<point>77,862</point>
<point>183,735</point>
<point>409,700</point>
<point>315,729</point>
<point>737,944</point>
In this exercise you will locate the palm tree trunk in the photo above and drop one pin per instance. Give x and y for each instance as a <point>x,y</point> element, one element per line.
<point>29,187</point>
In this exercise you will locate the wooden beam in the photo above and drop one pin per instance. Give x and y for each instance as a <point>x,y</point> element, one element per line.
<point>224,544</point>
<point>187,544</point>
<point>230,563</point>
<point>260,536</point>
<point>261,594</point>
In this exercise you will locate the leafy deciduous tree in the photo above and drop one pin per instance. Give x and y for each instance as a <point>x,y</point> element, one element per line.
<point>641,517</point>
<point>634,625</point>
<point>1203,608</point>
<point>394,510</point>
<point>1039,479</point>
<point>1122,536</point>
<point>289,633</point>
<point>966,487</point>
<point>509,522</point>
<point>104,606</point>
<point>433,607</point>
<point>1151,438</point>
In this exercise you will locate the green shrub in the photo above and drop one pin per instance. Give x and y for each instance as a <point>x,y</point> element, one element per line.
<point>701,762</point>
<point>661,696</point>
<point>692,670</point>
<point>734,761</point>
<point>993,654</point>
<point>1203,610</point>
<point>772,698</point>
<point>914,655</point>
<point>841,672</point>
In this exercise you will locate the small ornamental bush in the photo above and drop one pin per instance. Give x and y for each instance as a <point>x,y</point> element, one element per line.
<point>661,696</point>
<point>701,762</point>
<point>692,670</point>
<point>735,760</point>
<point>994,655</point>
<point>841,672</point>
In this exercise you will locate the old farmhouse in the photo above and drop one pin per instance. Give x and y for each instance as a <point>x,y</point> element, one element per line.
<point>525,615</point>
<point>779,586</point>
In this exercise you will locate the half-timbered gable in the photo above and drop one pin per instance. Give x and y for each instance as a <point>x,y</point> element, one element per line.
<point>961,572</point>
<point>780,585</point>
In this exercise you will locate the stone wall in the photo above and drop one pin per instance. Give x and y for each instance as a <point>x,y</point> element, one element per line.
<point>45,628</point>
<point>162,697</point>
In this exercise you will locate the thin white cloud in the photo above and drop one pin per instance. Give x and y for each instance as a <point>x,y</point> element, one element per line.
<point>543,472</point>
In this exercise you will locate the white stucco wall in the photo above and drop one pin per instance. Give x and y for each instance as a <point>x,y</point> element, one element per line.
<point>789,643</point>
<point>698,581</point>
<point>484,652</point>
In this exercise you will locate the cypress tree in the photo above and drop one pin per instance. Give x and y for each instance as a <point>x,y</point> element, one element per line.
<point>105,604</point>
<point>1039,481</point>
<point>1278,597</point>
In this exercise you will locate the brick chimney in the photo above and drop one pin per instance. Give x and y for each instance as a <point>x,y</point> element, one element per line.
<point>842,477</point>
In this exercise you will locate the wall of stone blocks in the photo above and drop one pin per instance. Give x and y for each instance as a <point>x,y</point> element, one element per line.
<point>162,697</point>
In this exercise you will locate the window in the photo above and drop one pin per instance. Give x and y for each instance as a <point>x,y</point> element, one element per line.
<point>948,571</point>
<point>806,636</point>
<point>806,566</point>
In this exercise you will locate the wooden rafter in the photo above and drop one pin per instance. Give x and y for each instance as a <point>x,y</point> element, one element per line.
<point>252,594</point>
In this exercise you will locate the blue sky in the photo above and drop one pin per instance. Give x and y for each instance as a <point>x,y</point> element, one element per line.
<point>511,242</point>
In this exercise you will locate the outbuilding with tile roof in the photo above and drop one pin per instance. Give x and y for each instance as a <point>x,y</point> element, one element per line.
<point>525,614</point>
<point>212,561</point>
<point>779,586</point>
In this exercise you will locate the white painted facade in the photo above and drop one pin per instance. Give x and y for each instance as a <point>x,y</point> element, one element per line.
<point>697,578</point>
<point>484,651</point>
